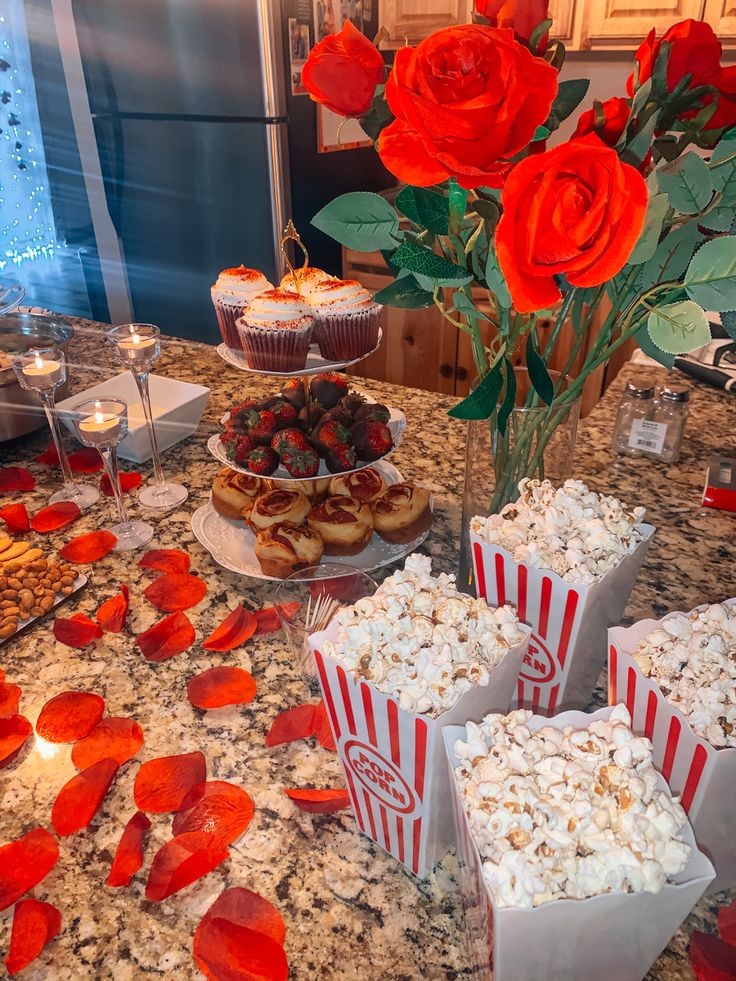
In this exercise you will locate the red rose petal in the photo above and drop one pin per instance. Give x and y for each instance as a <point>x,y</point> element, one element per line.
<point>55,516</point>
<point>170,636</point>
<point>34,925</point>
<point>248,909</point>
<point>268,617</point>
<point>319,801</point>
<point>129,853</point>
<point>165,560</point>
<point>291,724</point>
<point>90,547</point>
<point>24,863</point>
<point>727,923</point>
<point>50,456</point>
<point>16,518</point>
<point>182,861</point>
<point>322,729</point>
<point>14,730</point>
<point>175,591</point>
<point>86,460</point>
<point>128,481</point>
<point>81,797</point>
<point>16,479</point>
<point>69,716</point>
<point>77,631</point>
<point>712,959</point>
<point>223,950</point>
<point>111,615</point>
<point>221,686</point>
<point>220,809</point>
<point>162,784</point>
<point>234,630</point>
<point>113,738</point>
<point>9,698</point>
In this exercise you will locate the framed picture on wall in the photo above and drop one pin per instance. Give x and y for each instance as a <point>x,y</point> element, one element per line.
<point>337,133</point>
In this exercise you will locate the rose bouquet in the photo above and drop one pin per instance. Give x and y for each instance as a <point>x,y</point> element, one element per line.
<point>630,216</point>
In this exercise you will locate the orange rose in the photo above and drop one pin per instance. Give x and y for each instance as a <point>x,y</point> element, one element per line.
<point>576,210</point>
<point>522,16</point>
<point>616,116</point>
<point>465,100</point>
<point>695,51</point>
<point>342,72</point>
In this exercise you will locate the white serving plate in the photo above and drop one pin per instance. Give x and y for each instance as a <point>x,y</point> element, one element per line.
<point>315,362</point>
<point>232,543</point>
<point>177,408</point>
<point>396,423</point>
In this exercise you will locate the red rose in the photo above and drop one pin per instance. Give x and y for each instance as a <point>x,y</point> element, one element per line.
<point>616,116</point>
<point>522,16</point>
<point>725,115</point>
<point>695,51</point>
<point>342,72</point>
<point>465,100</point>
<point>575,210</point>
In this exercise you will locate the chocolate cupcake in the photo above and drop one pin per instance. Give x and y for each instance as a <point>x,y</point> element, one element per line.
<point>347,319</point>
<point>232,292</point>
<point>275,331</point>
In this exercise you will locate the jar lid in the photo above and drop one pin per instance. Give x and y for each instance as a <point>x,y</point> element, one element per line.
<point>676,393</point>
<point>640,390</point>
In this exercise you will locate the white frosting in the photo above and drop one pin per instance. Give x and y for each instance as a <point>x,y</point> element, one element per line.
<point>278,308</point>
<point>309,278</point>
<point>567,813</point>
<point>239,285</point>
<point>421,640</point>
<point>692,658</point>
<point>340,296</point>
<point>569,530</point>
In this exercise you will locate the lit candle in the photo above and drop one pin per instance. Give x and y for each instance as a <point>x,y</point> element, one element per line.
<point>42,373</point>
<point>137,348</point>
<point>102,428</point>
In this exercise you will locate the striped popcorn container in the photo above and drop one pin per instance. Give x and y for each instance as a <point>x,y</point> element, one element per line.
<point>614,935</point>
<point>567,649</point>
<point>394,761</point>
<point>703,776</point>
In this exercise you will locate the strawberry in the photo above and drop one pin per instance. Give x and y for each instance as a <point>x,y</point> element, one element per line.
<point>328,388</point>
<point>260,425</point>
<point>238,413</point>
<point>285,413</point>
<point>262,460</point>
<point>293,391</point>
<point>239,450</point>
<point>289,439</point>
<point>372,440</point>
<point>341,458</point>
<point>331,434</point>
<point>373,412</point>
<point>301,463</point>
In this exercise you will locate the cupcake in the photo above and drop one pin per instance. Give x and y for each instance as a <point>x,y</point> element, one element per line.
<point>347,319</point>
<point>232,292</point>
<point>275,331</point>
<point>308,278</point>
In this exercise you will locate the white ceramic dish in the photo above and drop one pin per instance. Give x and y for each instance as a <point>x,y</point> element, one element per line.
<point>315,362</point>
<point>177,408</point>
<point>232,543</point>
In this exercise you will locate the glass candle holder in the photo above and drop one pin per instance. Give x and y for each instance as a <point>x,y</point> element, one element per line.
<point>138,347</point>
<point>42,371</point>
<point>103,423</point>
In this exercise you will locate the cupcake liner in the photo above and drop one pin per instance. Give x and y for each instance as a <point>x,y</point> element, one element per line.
<point>227,315</point>
<point>345,337</point>
<point>275,348</point>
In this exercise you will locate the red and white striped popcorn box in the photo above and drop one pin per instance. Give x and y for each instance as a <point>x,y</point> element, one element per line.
<point>394,761</point>
<point>567,649</point>
<point>611,936</point>
<point>703,776</point>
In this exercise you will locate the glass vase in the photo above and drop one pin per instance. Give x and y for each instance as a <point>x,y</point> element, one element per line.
<point>537,443</point>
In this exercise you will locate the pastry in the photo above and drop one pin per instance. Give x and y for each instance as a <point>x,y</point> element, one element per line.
<point>275,331</point>
<point>232,292</point>
<point>279,505</point>
<point>345,525</point>
<point>402,513</point>
<point>347,319</point>
<point>233,493</point>
<point>283,548</point>
<point>315,490</point>
<point>364,485</point>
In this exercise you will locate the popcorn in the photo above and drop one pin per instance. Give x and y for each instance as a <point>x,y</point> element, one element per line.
<point>692,658</point>
<point>569,530</point>
<point>567,813</point>
<point>421,640</point>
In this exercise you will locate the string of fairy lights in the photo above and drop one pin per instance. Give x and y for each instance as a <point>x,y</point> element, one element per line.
<point>26,219</point>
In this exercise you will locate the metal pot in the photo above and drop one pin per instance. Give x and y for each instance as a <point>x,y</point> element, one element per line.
<point>20,411</point>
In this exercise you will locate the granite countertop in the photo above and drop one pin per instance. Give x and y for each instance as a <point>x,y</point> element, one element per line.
<point>351,911</point>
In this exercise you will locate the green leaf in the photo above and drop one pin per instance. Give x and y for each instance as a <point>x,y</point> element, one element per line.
<point>728,321</point>
<point>464,305</point>
<point>417,259</point>
<point>678,327</point>
<point>425,208</point>
<point>509,399</point>
<point>636,150</point>
<point>488,210</point>
<point>495,280</point>
<point>388,259</point>
<point>538,33</point>
<point>687,183</point>
<point>481,402</point>
<point>570,94</point>
<point>644,249</point>
<point>723,174</point>
<point>359,220</point>
<point>378,116</point>
<point>649,348</point>
<point>671,258</point>
<point>540,133</point>
<point>405,293</point>
<point>538,374</point>
<point>711,276</point>
<point>458,203</point>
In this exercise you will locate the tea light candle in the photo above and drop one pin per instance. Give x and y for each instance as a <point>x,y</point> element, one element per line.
<point>136,348</point>
<point>43,374</point>
<point>101,428</point>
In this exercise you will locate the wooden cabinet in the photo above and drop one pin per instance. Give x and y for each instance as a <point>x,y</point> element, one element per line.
<point>623,23</point>
<point>721,15</point>
<point>409,21</point>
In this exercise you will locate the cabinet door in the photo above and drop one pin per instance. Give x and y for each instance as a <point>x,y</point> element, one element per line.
<point>413,20</point>
<point>721,15</point>
<point>562,13</point>
<point>623,23</point>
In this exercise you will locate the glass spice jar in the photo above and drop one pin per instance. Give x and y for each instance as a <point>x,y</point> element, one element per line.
<point>635,409</point>
<point>670,415</point>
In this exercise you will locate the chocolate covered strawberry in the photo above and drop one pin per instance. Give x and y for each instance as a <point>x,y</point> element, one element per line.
<point>260,425</point>
<point>328,388</point>
<point>285,413</point>
<point>290,438</point>
<point>301,463</point>
<point>330,435</point>
<point>239,449</point>
<point>341,458</point>
<point>238,413</point>
<point>293,391</point>
<point>373,412</point>
<point>262,461</point>
<point>371,440</point>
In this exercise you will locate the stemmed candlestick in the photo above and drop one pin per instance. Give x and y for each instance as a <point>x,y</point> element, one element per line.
<point>42,371</point>
<point>138,347</point>
<point>103,423</point>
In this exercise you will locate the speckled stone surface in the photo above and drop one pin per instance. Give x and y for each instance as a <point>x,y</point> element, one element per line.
<point>351,911</point>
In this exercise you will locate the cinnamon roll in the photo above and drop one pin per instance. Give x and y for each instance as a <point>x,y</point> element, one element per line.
<point>402,513</point>
<point>279,505</point>
<point>315,490</point>
<point>283,548</point>
<point>364,485</point>
<point>346,525</point>
<point>233,493</point>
